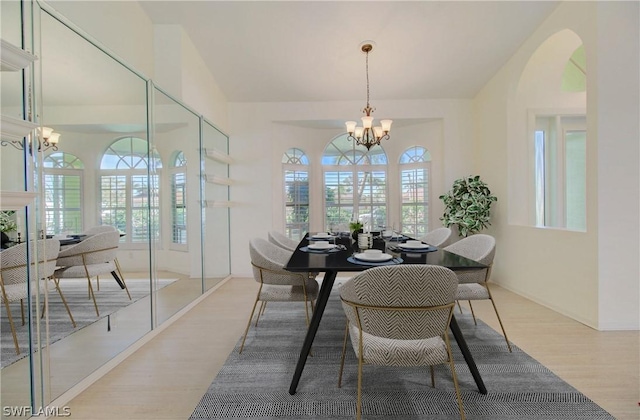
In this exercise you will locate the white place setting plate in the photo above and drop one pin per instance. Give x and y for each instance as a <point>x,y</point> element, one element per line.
<point>321,246</point>
<point>379,257</point>
<point>413,245</point>
<point>321,235</point>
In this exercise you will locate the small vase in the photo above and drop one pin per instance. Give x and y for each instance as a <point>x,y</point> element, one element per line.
<point>354,234</point>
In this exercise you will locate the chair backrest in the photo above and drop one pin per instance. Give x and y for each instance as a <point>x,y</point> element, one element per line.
<point>13,261</point>
<point>479,247</point>
<point>440,237</point>
<point>268,261</point>
<point>282,240</point>
<point>98,248</point>
<point>407,302</point>
<point>99,229</point>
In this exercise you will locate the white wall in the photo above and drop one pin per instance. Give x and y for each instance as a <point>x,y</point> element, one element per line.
<point>259,138</point>
<point>580,274</point>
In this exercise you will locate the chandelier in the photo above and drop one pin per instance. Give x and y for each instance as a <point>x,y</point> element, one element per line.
<point>367,135</point>
<point>49,140</point>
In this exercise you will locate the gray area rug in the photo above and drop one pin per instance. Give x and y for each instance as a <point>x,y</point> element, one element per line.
<point>110,298</point>
<point>255,384</point>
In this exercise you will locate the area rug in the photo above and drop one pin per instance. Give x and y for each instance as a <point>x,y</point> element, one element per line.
<point>255,384</point>
<point>110,298</point>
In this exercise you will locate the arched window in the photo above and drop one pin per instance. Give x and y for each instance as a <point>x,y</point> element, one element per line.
<point>179,199</point>
<point>295,166</point>
<point>355,184</point>
<point>129,191</point>
<point>414,184</point>
<point>63,173</point>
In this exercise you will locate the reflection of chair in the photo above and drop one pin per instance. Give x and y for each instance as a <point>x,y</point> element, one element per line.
<point>474,284</point>
<point>99,229</point>
<point>13,276</point>
<point>282,241</point>
<point>90,258</point>
<point>277,284</point>
<point>439,237</point>
<point>399,316</point>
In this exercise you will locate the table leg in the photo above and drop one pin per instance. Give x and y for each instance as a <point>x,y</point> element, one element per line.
<point>323,298</point>
<point>457,334</point>
<point>115,276</point>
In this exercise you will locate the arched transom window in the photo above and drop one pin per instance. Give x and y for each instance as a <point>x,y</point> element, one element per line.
<point>129,189</point>
<point>355,184</point>
<point>295,167</point>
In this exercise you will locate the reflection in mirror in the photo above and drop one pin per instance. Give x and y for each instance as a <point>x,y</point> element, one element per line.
<point>92,101</point>
<point>176,135</point>
<point>216,212</point>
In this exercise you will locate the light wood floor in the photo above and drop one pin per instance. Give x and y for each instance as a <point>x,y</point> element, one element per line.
<point>166,378</point>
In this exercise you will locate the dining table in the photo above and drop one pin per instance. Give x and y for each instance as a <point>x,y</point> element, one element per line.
<point>340,257</point>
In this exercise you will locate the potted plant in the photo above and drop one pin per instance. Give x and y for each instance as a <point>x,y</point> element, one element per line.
<point>355,228</point>
<point>7,224</point>
<point>467,205</point>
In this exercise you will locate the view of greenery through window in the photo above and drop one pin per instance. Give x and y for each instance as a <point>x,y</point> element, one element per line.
<point>63,174</point>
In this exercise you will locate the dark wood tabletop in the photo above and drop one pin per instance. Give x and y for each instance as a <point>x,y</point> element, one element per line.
<point>333,262</point>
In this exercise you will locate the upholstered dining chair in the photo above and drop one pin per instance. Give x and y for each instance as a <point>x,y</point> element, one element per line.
<point>101,229</point>
<point>14,274</point>
<point>277,284</point>
<point>399,316</point>
<point>474,284</point>
<point>439,237</point>
<point>282,240</point>
<point>90,258</point>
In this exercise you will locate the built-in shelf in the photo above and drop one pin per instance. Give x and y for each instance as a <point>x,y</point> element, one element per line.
<point>14,58</point>
<point>214,179</point>
<point>16,200</point>
<point>218,156</point>
<point>218,203</point>
<point>15,129</point>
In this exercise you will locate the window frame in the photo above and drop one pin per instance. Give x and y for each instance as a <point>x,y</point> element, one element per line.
<point>66,169</point>
<point>423,163</point>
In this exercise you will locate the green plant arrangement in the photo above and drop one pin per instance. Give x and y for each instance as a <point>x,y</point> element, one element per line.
<point>355,226</point>
<point>7,224</point>
<point>468,205</point>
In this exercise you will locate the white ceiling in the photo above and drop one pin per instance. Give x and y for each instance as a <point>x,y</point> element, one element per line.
<point>268,51</point>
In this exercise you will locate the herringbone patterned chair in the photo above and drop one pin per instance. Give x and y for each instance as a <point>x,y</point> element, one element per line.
<point>13,276</point>
<point>439,237</point>
<point>399,316</point>
<point>277,284</point>
<point>91,258</point>
<point>282,240</point>
<point>474,284</point>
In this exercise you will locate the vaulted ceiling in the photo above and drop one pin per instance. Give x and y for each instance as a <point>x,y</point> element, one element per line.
<point>270,51</point>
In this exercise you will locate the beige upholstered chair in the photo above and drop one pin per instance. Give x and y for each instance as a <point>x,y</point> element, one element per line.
<point>474,284</point>
<point>101,229</point>
<point>13,276</point>
<point>282,241</point>
<point>90,258</point>
<point>439,237</point>
<point>277,284</point>
<point>399,316</point>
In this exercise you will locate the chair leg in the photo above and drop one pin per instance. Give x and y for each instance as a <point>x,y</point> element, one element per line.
<point>472,313</point>
<point>344,351</point>
<point>122,278</point>
<point>359,401</point>
<point>455,378</point>
<point>64,301</point>
<point>499,320</point>
<point>246,331</point>
<point>263,305</point>
<point>459,307</point>
<point>98,282</point>
<point>22,310</point>
<point>433,377</point>
<point>93,295</point>
<point>13,328</point>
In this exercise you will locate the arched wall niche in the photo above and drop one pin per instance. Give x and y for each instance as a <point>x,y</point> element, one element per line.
<point>538,92</point>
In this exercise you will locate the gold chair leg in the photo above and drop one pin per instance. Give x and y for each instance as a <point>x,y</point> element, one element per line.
<point>472,313</point>
<point>246,331</point>
<point>64,301</point>
<point>344,351</point>
<point>263,304</point>
<point>98,282</point>
<point>13,328</point>
<point>359,401</point>
<point>433,377</point>
<point>263,307</point>
<point>122,278</point>
<point>499,320</point>
<point>22,310</point>
<point>455,378</point>
<point>459,307</point>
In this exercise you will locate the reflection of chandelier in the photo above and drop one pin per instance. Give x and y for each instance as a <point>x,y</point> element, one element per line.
<point>367,135</point>
<point>49,140</point>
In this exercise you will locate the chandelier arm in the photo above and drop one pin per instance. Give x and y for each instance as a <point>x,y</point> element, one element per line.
<point>15,143</point>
